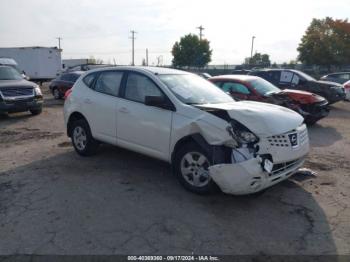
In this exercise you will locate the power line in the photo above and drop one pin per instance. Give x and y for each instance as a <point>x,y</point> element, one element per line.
<point>201,29</point>
<point>133,46</point>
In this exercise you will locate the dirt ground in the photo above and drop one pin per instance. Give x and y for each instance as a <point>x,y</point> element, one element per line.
<point>53,201</point>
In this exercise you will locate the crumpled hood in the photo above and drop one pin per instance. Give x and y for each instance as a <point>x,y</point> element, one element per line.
<point>261,118</point>
<point>303,97</point>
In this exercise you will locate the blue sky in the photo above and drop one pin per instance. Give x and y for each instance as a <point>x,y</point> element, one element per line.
<point>102,28</point>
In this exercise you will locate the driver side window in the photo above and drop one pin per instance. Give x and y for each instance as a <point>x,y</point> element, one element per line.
<point>139,86</point>
<point>235,88</point>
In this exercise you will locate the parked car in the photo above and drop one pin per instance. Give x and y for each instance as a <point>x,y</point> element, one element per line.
<point>339,78</point>
<point>18,94</point>
<point>179,117</point>
<point>244,87</point>
<point>204,75</point>
<point>62,83</point>
<point>11,62</point>
<point>347,90</point>
<point>294,79</point>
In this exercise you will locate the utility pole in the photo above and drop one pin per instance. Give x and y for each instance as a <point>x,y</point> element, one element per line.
<point>251,51</point>
<point>133,46</point>
<point>59,42</point>
<point>146,56</point>
<point>201,29</point>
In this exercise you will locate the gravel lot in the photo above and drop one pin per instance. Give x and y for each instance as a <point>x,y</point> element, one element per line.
<point>118,202</point>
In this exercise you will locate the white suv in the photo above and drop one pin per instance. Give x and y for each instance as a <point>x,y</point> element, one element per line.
<point>210,139</point>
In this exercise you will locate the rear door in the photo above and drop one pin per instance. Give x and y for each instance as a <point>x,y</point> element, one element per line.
<point>100,104</point>
<point>145,129</point>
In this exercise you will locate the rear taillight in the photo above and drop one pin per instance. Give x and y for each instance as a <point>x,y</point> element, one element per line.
<point>347,86</point>
<point>67,93</point>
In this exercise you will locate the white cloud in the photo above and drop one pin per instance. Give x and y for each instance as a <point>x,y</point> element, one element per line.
<point>101,28</point>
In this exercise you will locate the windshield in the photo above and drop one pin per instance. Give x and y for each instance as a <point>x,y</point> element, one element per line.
<point>8,73</point>
<point>264,87</point>
<point>192,89</point>
<point>306,76</point>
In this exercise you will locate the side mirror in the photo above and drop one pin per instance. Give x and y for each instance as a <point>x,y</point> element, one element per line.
<point>158,101</point>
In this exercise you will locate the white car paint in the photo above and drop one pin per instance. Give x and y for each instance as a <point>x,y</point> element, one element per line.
<point>155,131</point>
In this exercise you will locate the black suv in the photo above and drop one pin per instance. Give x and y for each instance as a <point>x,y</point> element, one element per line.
<point>18,94</point>
<point>294,79</point>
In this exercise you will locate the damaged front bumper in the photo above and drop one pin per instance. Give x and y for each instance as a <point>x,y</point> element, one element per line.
<point>249,176</point>
<point>279,157</point>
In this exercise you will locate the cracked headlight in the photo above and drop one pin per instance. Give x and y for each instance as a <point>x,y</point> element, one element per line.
<point>241,133</point>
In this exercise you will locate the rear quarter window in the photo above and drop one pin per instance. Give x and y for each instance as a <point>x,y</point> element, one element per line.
<point>89,79</point>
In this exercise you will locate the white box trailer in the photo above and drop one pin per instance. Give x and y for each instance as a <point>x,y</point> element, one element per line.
<point>39,63</point>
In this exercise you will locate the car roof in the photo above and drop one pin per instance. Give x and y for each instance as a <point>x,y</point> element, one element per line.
<point>235,77</point>
<point>150,69</point>
<point>7,61</point>
<point>74,72</point>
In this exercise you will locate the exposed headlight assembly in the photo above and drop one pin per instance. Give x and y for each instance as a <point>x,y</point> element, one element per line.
<point>241,133</point>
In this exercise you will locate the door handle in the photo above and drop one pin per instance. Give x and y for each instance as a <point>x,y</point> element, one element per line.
<point>87,101</point>
<point>124,110</point>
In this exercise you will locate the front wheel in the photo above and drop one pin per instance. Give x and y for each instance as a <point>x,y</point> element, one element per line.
<point>191,166</point>
<point>82,140</point>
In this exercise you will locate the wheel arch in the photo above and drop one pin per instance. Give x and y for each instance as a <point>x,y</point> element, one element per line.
<point>74,117</point>
<point>217,153</point>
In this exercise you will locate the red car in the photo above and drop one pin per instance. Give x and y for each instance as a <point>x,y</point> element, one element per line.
<point>245,87</point>
<point>64,82</point>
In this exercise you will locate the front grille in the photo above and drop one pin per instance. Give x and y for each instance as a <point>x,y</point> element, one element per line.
<point>283,140</point>
<point>279,141</point>
<point>279,168</point>
<point>16,92</point>
<point>303,137</point>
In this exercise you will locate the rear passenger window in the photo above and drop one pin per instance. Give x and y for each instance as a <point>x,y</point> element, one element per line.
<point>139,86</point>
<point>65,77</point>
<point>109,83</point>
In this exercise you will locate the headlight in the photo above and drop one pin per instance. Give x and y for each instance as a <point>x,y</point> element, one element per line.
<point>37,91</point>
<point>241,134</point>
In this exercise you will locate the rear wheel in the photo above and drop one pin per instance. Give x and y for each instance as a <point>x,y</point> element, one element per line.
<point>191,165</point>
<point>82,140</point>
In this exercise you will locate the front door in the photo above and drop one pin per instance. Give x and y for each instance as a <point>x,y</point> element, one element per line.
<point>145,129</point>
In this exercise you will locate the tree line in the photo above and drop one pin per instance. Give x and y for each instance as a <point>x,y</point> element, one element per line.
<point>326,42</point>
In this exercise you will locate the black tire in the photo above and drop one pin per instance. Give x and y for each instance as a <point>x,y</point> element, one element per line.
<point>56,93</point>
<point>35,112</point>
<point>90,146</point>
<point>208,188</point>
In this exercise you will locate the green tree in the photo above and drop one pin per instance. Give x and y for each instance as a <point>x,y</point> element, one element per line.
<point>96,61</point>
<point>326,42</point>
<point>191,51</point>
<point>258,60</point>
